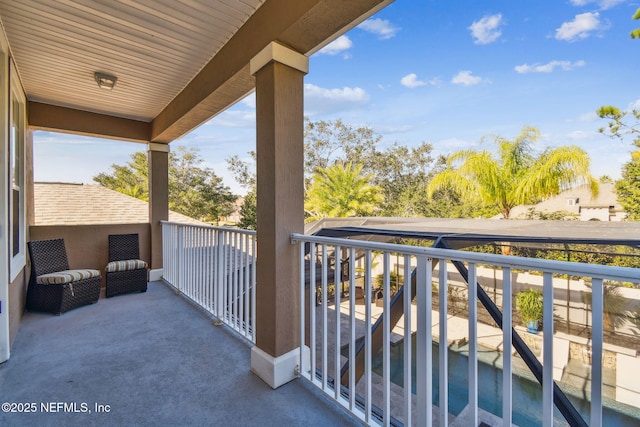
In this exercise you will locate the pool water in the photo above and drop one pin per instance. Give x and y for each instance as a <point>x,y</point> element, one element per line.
<point>526,392</point>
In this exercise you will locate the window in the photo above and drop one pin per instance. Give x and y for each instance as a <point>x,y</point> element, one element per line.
<point>15,182</point>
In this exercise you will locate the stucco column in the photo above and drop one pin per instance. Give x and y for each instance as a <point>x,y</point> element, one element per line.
<point>158,161</point>
<point>279,73</point>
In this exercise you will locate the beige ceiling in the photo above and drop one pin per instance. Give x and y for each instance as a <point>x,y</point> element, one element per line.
<point>178,62</point>
<point>154,47</point>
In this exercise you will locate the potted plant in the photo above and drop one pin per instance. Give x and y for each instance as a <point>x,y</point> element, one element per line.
<point>529,304</point>
<point>396,281</point>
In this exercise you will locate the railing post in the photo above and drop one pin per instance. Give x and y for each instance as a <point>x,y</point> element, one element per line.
<point>386,338</point>
<point>473,344</point>
<point>337,280</point>
<point>443,345</point>
<point>367,335</point>
<point>407,297</point>
<point>301,367</point>
<point>254,254</point>
<point>312,311</point>
<point>507,319</point>
<point>167,270</point>
<point>547,356</point>
<point>352,328</point>
<point>424,369</point>
<point>219,280</point>
<point>181,250</point>
<point>597,330</point>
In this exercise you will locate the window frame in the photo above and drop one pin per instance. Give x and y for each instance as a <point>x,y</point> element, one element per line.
<point>16,168</point>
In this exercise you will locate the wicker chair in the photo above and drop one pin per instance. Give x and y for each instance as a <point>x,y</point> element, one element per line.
<point>125,271</point>
<point>52,286</point>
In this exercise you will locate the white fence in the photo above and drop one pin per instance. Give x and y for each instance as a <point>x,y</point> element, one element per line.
<point>331,324</point>
<point>215,268</point>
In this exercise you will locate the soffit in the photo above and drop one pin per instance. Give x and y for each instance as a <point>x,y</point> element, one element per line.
<point>154,47</point>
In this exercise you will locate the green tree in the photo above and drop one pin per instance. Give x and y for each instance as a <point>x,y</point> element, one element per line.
<point>327,143</point>
<point>622,124</point>
<point>194,190</point>
<point>245,173</point>
<point>131,178</point>
<point>635,34</point>
<point>341,191</point>
<point>446,202</point>
<point>401,172</point>
<point>517,176</point>
<point>248,212</point>
<point>628,187</point>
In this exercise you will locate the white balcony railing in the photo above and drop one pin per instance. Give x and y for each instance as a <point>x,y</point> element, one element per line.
<point>215,268</point>
<point>360,368</point>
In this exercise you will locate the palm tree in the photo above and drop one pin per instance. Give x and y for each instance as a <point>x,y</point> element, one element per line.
<point>342,191</point>
<point>517,176</point>
<point>613,306</point>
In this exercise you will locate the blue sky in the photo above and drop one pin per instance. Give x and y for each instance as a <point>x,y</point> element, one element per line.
<point>445,72</point>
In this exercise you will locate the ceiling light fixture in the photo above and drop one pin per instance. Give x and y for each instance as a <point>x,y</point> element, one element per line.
<point>105,81</point>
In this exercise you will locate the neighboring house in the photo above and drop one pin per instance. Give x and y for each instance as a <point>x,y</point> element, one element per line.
<point>580,203</point>
<point>59,203</point>
<point>234,217</point>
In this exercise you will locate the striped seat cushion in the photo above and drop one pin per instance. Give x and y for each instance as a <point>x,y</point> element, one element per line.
<point>131,264</point>
<point>66,276</point>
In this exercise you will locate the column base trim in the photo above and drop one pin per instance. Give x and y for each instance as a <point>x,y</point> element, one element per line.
<point>155,275</point>
<point>277,371</point>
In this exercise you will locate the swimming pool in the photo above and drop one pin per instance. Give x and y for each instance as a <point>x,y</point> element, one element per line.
<point>526,392</point>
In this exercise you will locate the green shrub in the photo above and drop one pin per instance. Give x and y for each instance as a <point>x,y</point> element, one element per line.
<point>530,305</point>
<point>395,281</point>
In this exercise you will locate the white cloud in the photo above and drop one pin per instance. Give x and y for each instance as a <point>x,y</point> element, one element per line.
<point>337,46</point>
<point>411,81</point>
<point>381,27</point>
<point>486,30</point>
<point>465,78</point>
<point>234,119</point>
<point>589,117</point>
<point>578,135</point>
<point>548,67</point>
<point>579,28</point>
<point>603,4</point>
<point>452,144</point>
<point>320,100</point>
<point>385,130</point>
<point>635,105</point>
<point>249,100</point>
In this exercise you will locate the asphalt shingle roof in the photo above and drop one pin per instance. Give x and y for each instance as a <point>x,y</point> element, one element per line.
<point>83,204</point>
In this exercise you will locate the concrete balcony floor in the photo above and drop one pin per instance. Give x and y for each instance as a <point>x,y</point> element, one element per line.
<point>155,360</point>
